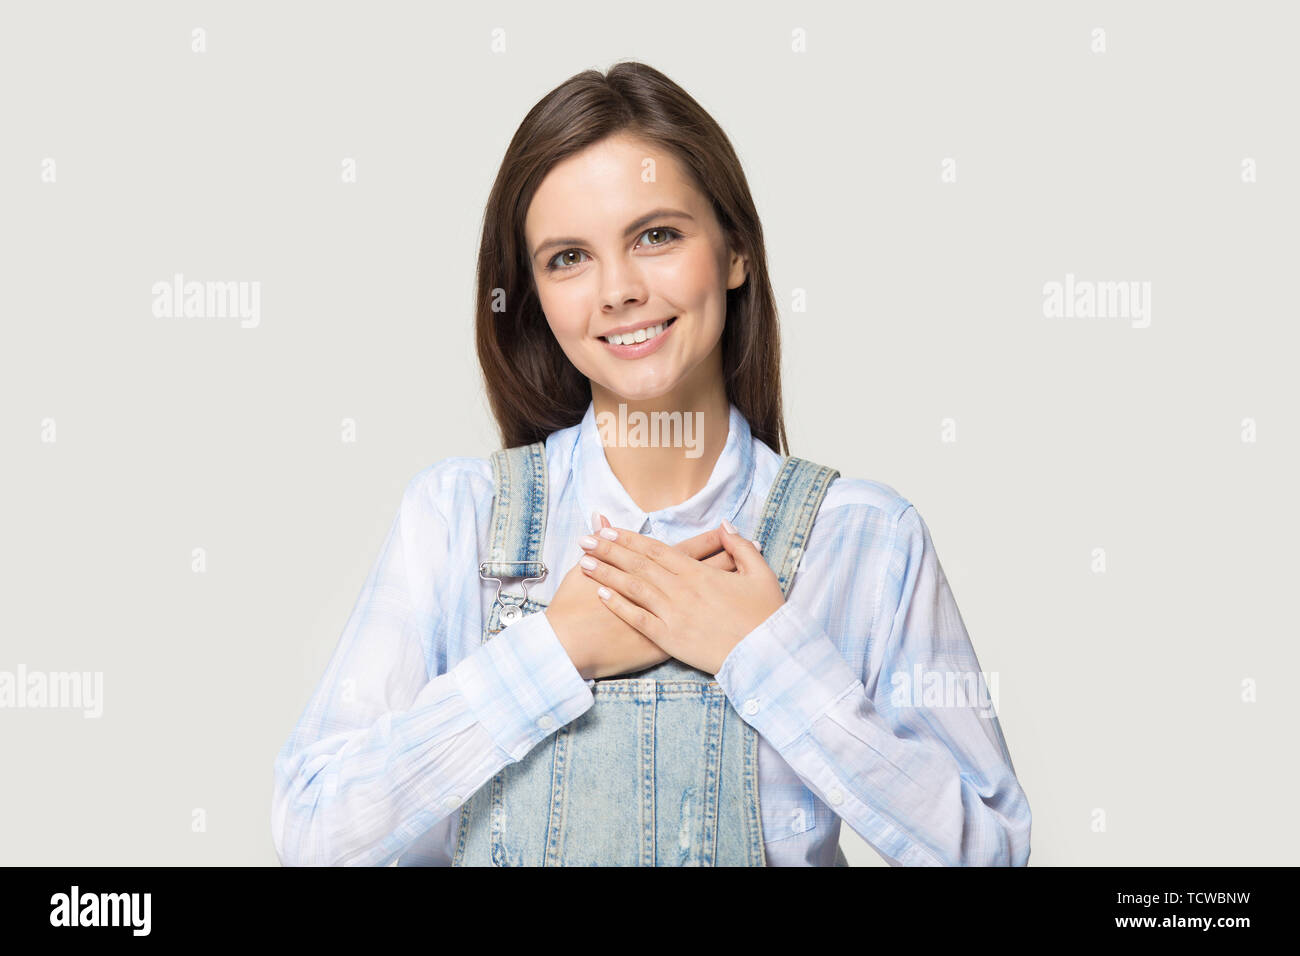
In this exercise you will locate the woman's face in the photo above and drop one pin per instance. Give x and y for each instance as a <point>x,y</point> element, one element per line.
<point>618,236</point>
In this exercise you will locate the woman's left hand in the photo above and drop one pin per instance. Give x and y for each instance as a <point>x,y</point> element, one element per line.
<point>695,612</point>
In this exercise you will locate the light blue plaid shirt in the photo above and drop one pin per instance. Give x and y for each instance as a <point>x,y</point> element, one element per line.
<point>864,688</point>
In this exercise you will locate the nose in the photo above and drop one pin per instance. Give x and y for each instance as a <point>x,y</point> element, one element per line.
<point>621,286</point>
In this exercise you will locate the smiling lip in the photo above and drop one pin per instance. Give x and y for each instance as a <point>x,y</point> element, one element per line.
<point>639,349</point>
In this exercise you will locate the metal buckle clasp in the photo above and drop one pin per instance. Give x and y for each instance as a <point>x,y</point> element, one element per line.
<point>511,612</point>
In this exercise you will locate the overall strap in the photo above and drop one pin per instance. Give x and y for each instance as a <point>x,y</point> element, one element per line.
<point>788,515</point>
<point>518,515</point>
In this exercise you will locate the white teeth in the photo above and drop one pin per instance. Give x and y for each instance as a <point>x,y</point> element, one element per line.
<point>640,335</point>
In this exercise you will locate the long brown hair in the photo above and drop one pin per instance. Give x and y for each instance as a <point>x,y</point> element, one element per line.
<point>532,386</point>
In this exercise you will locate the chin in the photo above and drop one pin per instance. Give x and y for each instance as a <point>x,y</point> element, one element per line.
<point>640,390</point>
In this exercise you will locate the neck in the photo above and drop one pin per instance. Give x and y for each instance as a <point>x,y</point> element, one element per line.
<point>663,450</point>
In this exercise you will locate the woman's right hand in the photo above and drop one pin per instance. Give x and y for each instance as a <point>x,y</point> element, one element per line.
<point>598,641</point>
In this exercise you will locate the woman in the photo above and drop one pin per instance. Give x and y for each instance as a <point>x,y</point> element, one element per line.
<point>716,681</point>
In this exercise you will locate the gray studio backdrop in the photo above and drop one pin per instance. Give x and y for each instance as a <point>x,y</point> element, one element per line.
<point>1111,489</point>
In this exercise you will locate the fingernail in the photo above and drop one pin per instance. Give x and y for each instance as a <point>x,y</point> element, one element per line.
<point>609,534</point>
<point>587,541</point>
<point>595,521</point>
<point>588,562</point>
<point>731,528</point>
<point>603,592</point>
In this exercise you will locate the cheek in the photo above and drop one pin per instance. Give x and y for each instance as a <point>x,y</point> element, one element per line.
<point>568,323</point>
<point>566,317</point>
<point>692,281</point>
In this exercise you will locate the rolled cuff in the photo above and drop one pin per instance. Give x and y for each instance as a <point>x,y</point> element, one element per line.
<point>785,674</point>
<point>522,686</point>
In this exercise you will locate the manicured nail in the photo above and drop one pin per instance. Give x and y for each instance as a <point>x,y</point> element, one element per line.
<point>604,592</point>
<point>609,533</point>
<point>731,528</point>
<point>587,541</point>
<point>588,562</point>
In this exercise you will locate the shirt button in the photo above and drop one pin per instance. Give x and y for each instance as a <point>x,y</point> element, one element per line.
<point>835,796</point>
<point>545,721</point>
<point>751,707</point>
<point>452,802</point>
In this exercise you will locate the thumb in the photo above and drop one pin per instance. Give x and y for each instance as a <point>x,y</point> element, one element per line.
<point>742,550</point>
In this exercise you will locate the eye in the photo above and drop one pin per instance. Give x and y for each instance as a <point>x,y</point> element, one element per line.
<point>669,234</point>
<point>664,230</point>
<point>552,267</point>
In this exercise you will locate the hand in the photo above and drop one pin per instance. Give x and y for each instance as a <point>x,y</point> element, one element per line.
<point>599,642</point>
<point>695,612</point>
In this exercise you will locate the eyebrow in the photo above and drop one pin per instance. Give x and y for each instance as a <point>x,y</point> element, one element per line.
<point>632,228</point>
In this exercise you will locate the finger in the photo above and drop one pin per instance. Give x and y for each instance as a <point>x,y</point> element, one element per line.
<point>702,545</point>
<point>722,561</point>
<point>638,555</point>
<point>635,615</point>
<point>623,544</point>
<point>698,548</point>
<point>745,552</point>
<point>632,587</point>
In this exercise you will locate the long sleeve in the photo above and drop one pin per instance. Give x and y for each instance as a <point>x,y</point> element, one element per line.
<point>382,752</point>
<point>919,769</point>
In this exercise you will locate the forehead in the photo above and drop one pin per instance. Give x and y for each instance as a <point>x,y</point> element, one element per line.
<point>607,185</point>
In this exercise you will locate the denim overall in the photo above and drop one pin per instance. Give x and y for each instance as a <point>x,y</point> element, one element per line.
<point>660,770</point>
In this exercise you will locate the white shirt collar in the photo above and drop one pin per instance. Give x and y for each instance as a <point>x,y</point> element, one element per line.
<point>721,497</point>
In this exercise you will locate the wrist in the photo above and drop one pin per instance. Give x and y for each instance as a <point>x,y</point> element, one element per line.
<point>562,633</point>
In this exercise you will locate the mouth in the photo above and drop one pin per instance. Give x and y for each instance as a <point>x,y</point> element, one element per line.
<point>651,339</point>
